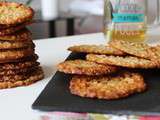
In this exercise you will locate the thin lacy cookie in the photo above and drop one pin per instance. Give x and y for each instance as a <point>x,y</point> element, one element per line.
<point>107,87</point>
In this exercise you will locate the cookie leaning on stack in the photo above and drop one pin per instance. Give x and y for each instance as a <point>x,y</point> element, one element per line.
<point>18,61</point>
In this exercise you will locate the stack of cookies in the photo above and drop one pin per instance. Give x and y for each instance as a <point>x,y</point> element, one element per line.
<point>18,61</point>
<point>110,72</point>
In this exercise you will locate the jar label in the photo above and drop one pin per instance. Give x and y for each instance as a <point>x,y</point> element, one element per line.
<point>128,10</point>
<point>125,17</point>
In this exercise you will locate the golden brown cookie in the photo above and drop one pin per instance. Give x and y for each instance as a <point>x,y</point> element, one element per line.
<point>19,76</point>
<point>126,61</point>
<point>32,57</point>
<point>15,54</point>
<point>14,13</point>
<point>18,65</point>
<point>10,72</point>
<point>107,87</point>
<point>36,75</point>
<point>96,49</point>
<point>12,30</point>
<point>12,78</point>
<point>155,53</point>
<point>12,25</point>
<point>15,45</point>
<point>23,35</point>
<point>132,48</point>
<point>83,67</point>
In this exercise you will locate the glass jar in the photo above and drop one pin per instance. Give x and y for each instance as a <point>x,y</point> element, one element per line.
<point>128,19</point>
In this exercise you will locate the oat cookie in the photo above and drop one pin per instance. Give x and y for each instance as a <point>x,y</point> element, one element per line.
<point>23,35</point>
<point>11,25</point>
<point>15,54</point>
<point>83,67</point>
<point>136,49</point>
<point>32,57</point>
<point>32,78</point>
<point>12,30</point>
<point>18,65</point>
<point>11,72</point>
<point>126,61</point>
<point>14,45</point>
<point>97,49</point>
<point>12,78</point>
<point>14,13</point>
<point>155,53</point>
<point>19,76</point>
<point>107,87</point>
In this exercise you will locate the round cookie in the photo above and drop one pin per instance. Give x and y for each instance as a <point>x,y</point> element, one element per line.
<point>12,30</point>
<point>14,77</point>
<point>14,45</point>
<point>126,61</point>
<point>107,87</point>
<point>18,65</point>
<point>137,49</point>
<point>32,57</point>
<point>11,72</point>
<point>32,78</point>
<point>96,49</point>
<point>15,54</point>
<point>14,13</point>
<point>83,67</point>
<point>23,35</point>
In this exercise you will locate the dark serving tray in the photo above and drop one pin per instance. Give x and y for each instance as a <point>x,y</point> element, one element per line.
<point>56,97</point>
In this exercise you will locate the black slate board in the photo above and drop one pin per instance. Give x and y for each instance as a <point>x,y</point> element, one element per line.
<point>56,97</point>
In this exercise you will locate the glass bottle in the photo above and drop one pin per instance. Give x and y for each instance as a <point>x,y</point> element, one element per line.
<point>126,19</point>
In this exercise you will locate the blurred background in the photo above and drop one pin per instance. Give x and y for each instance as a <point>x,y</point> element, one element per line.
<point>55,18</point>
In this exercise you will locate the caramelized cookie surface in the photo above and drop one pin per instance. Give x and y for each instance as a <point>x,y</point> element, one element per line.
<point>83,67</point>
<point>107,87</point>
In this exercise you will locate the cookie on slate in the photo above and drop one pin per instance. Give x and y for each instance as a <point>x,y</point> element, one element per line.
<point>23,35</point>
<point>12,30</point>
<point>97,49</point>
<point>36,75</point>
<point>14,13</point>
<point>14,45</point>
<point>83,67</point>
<point>107,87</point>
<point>137,49</point>
<point>126,61</point>
<point>15,54</point>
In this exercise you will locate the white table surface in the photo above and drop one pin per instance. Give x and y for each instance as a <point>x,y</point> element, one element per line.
<point>15,103</point>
